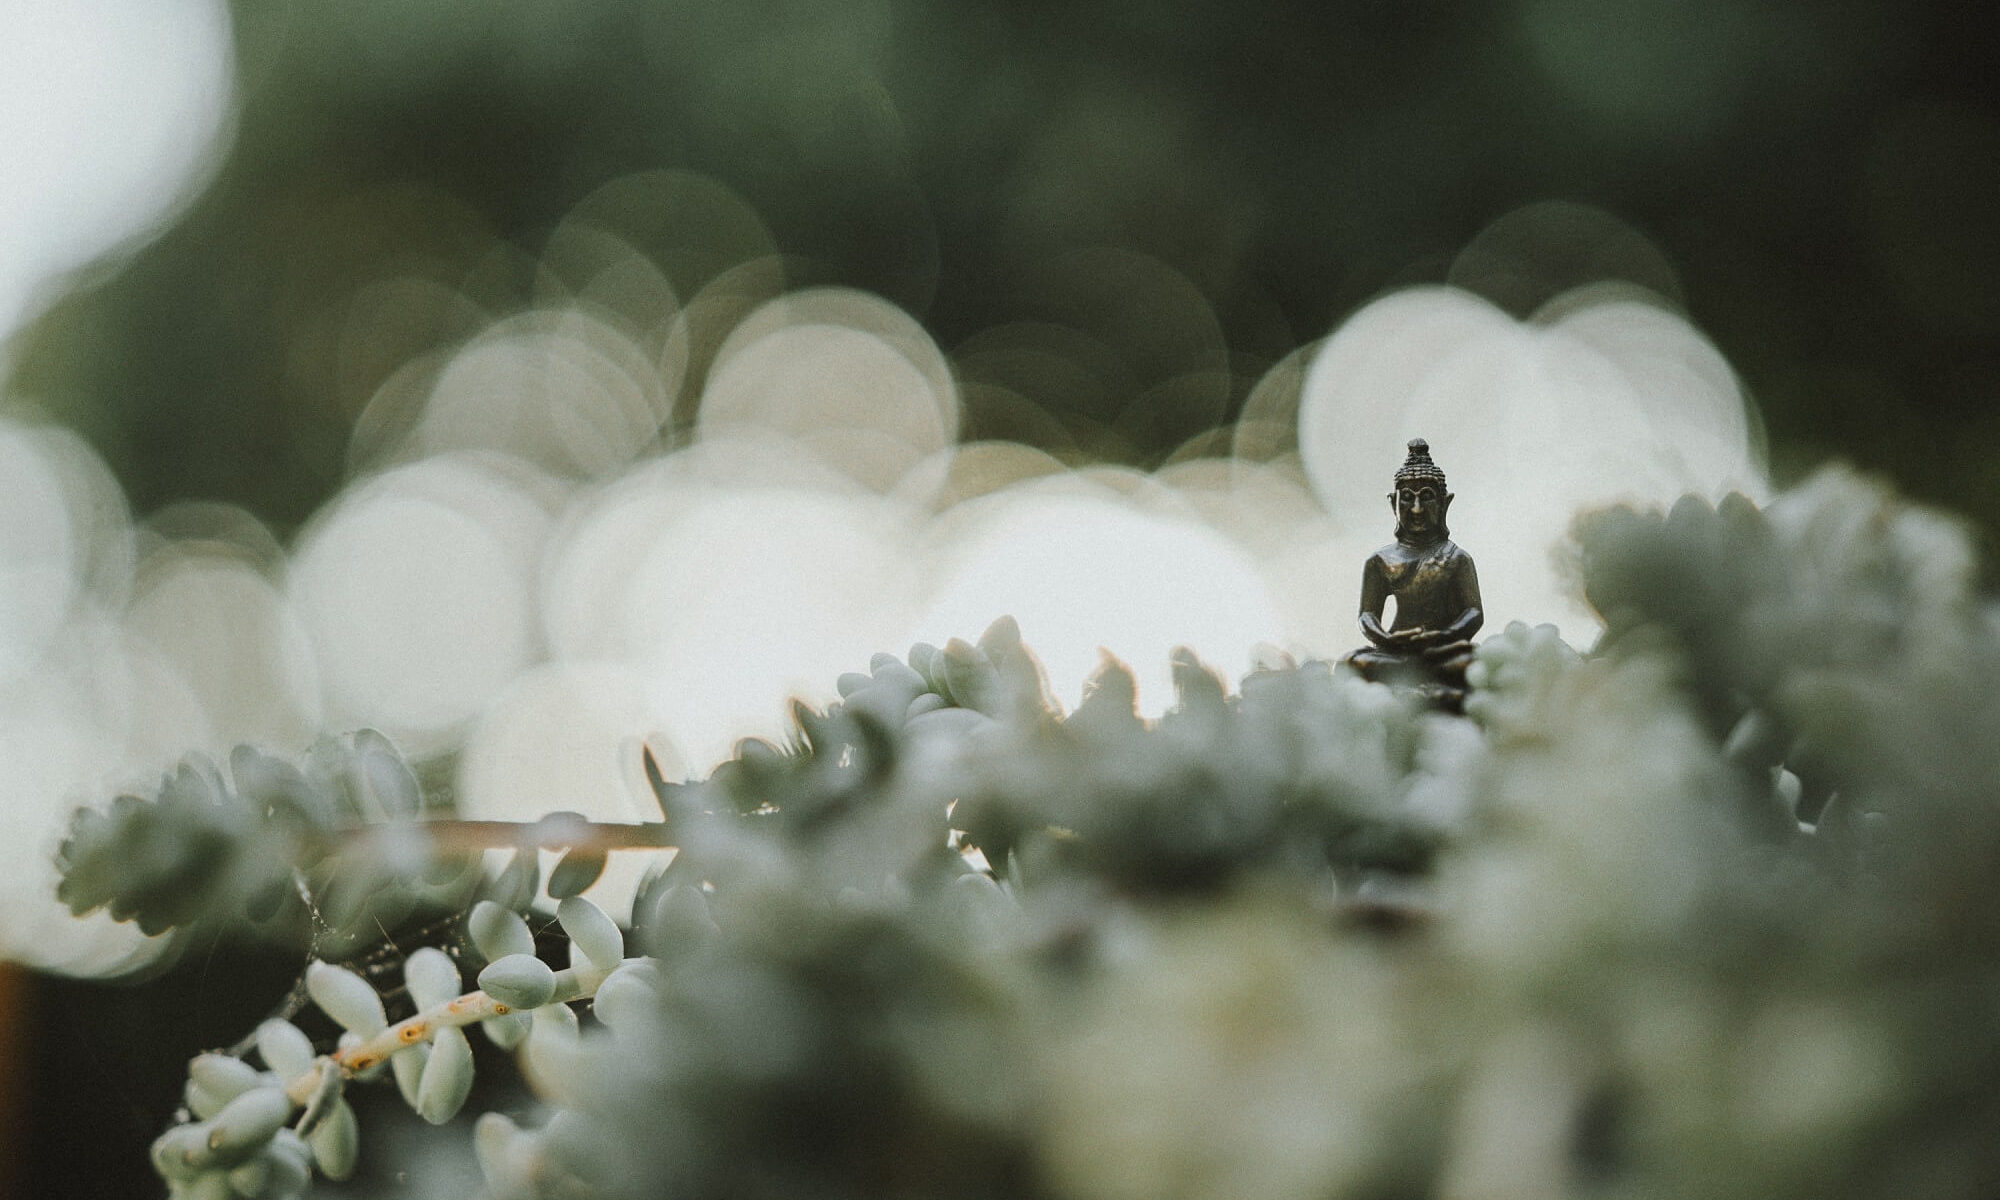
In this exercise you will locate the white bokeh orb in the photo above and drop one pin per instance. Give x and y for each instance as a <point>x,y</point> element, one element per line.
<point>111,111</point>
<point>235,637</point>
<point>1081,567</point>
<point>417,589</point>
<point>1601,398</point>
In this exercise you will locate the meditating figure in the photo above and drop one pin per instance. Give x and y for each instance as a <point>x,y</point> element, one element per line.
<point>1428,644</point>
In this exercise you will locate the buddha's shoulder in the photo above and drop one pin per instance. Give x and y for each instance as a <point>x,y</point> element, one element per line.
<point>1451,552</point>
<point>1396,553</point>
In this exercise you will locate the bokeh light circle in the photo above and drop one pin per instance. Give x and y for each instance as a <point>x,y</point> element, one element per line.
<point>1081,567</point>
<point>1588,404</point>
<point>417,590</point>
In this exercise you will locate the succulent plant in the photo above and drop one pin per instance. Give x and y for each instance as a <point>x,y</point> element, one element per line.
<point>1702,913</point>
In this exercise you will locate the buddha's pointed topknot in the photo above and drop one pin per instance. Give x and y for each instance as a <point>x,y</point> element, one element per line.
<point>1418,466</point>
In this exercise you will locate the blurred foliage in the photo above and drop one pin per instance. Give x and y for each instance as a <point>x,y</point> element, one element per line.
<point>259,851</point>
<point>1616,975</point>
<point>1821,178</point>
<point>1705,913</point>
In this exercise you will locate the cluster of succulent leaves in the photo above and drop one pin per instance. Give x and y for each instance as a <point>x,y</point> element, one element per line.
<point>332,854</point>
<point>260,1134</point>
<point>1703,913</point>
<point>258,851</point>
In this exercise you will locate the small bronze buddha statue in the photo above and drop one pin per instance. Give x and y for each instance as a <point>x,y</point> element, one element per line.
<point>1438,609</point>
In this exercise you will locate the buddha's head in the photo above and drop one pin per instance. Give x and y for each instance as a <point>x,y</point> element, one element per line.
<point>1420,500</point>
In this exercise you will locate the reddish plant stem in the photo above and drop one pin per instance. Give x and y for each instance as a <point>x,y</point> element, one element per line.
<point>590,836</point>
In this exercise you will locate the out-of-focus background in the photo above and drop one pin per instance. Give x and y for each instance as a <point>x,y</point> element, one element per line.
<point>530,379</point>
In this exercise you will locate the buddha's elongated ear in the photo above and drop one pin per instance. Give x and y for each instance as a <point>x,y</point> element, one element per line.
<point>1392,502</point>
<point>1445,504</point>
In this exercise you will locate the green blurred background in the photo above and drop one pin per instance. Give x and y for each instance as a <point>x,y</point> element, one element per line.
<point>1817,183</point>
<point>1821,183</point>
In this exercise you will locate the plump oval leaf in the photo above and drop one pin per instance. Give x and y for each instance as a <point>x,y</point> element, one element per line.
<point>336,1142</point>
<point>221,1076</point>
<point>431,977</point>
<point>247,1122</point>
<point>519,981</point>
<point>592,931</point>
<point>285,1048</point>
<point>408,1066</point>
<point>627,998</point>
<point>577,871</point>
<point>507,1031</point>
<point>347,998</point>
<point>447,1077</point>
<point>497,931</point>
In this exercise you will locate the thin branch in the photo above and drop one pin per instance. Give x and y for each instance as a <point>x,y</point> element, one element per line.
<point>471,837</point>
<point>372,964</point>
<point>572,983</point>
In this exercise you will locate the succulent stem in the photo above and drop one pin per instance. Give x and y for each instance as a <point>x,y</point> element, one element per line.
<point>572,983</point>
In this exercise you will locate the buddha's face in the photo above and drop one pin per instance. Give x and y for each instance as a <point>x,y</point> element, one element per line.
<point>1420,509</point>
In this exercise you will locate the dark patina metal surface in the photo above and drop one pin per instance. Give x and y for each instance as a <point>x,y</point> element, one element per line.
<point>1428,644</point>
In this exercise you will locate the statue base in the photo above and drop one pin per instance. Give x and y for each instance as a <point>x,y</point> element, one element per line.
<point>1435,679</point>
